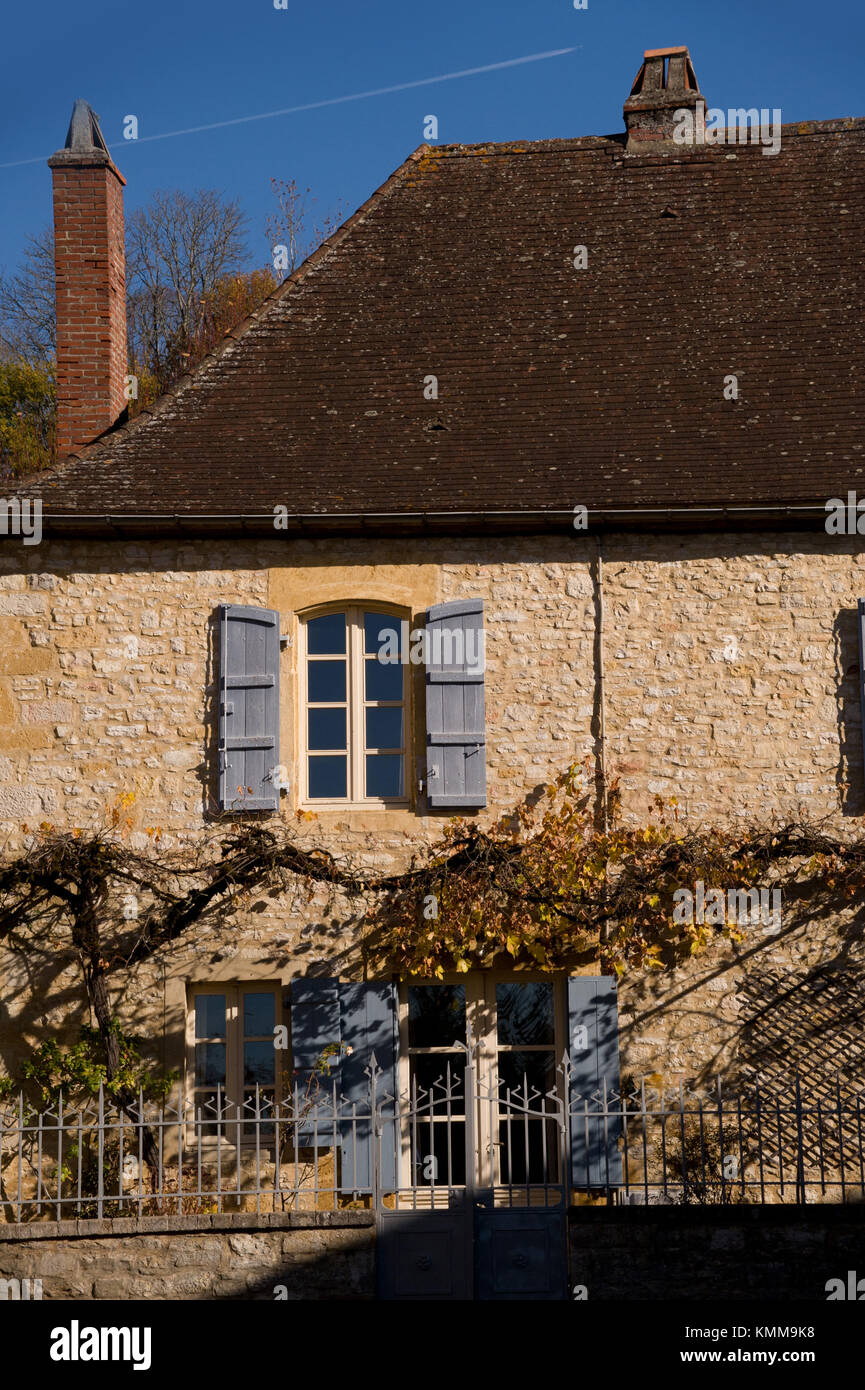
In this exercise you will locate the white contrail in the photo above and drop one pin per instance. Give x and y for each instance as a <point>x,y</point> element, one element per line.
<point>330,101</point>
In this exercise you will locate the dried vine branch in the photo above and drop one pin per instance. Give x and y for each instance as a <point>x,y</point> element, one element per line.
<point>542,886</point>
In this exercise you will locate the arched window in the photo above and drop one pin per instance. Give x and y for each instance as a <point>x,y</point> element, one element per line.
<point>353,706</point>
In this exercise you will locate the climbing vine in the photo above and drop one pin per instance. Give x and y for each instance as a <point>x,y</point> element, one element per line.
<point>542,886</point>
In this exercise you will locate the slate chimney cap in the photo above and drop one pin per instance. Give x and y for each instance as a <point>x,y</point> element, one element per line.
<point>85,143</point>
<point>84,133</point>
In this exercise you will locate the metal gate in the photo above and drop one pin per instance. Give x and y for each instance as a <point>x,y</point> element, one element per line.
<point>470,1189</point>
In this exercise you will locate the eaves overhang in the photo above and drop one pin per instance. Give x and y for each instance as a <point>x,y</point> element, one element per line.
<point>319,525</point>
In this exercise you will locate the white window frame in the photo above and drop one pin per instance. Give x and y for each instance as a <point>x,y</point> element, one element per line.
<point>356,706</point>
<point>480,987</point>
<point>234,1090</point>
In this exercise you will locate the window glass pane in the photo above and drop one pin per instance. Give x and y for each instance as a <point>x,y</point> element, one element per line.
<point>525,1014</point>
<point>430,1071</point>
<point>384,774</point>
<point>436,1015</point>
<point>438,1154</point>
<point>326,728</point>
<point>325,636</point>
<point>210,1015</point>
<point>209,1064</point>
<point>382,635</point>
<point>540,1163</point>
<point>327,777</point>
<point>257,1120</point>
<point>326,682</point>
<point>257,1013</point>
<point>258,1063</point>
<point>538,1069</point>
<point>212,1106</point>
<point>383,682</point>
<point>383,729</point>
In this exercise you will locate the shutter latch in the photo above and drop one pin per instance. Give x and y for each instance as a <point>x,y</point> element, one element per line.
<point>286,639</point>
<point>278,778</point>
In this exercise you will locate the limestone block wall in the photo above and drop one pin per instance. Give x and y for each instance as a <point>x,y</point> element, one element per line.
<point>615,1253</point>
<point>731,683</point>
<point>284,1256</point>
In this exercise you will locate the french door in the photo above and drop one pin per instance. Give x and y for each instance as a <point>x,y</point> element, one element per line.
<point>479,1081</point>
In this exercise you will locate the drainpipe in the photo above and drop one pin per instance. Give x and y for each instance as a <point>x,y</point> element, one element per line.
<point>600,700</point>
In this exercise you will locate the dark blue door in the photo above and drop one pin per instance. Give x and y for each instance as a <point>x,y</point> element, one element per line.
<point>520,1255</point>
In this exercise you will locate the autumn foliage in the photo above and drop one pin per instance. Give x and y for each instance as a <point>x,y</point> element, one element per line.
<point>549,885</point>
<point>545,886</point>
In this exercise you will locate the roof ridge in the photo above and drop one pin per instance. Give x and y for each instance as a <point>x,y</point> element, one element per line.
<point>829,125</point>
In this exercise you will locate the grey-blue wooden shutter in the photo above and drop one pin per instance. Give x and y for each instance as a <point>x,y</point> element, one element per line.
<point>455,719</point>
<point>369,1025</point>
<point>315,1022</point>
<point>248,708</point>
<point>593,1045</point>
<point>364,1018</point>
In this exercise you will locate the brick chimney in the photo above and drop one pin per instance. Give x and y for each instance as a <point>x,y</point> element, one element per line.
<point>665,84</point>
<point>90,264</point>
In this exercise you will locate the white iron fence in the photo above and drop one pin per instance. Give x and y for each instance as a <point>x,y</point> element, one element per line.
<point>316,1149</point>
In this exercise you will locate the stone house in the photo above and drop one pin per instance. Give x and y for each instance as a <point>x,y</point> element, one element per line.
<point>664,334</point>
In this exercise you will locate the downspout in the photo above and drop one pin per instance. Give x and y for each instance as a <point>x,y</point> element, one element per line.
<point>600,695</point>
<point>601,807</point>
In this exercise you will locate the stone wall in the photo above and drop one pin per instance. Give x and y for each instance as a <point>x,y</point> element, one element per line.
<point>731,683</point>
<point>712,1254</point>
<point>290,1255</point>
<point>619,1254</point>
<point>730,664</point>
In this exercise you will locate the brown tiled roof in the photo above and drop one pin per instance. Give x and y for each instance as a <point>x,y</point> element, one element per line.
<point>557,386</point>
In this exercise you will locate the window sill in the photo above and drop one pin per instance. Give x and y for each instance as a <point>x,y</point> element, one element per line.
<point>402,805</point>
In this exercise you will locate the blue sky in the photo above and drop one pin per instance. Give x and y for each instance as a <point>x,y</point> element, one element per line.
<point>193,62</point>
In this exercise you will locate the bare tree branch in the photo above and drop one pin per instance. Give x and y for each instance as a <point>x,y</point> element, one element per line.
<point>27,315</point>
